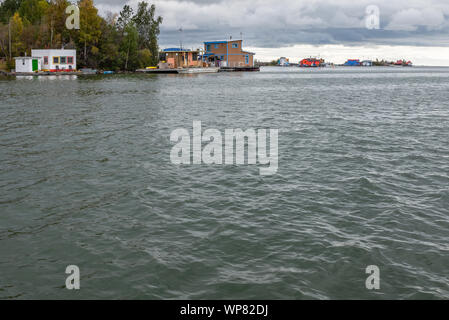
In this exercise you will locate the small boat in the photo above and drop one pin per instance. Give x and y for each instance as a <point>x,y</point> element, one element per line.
<point>198,70</point>
<point>88,71</point>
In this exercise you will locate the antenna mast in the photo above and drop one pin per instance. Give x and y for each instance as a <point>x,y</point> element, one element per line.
<point>180,30</point>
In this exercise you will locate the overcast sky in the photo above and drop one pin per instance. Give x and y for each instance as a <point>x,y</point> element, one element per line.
<point>334,29</point>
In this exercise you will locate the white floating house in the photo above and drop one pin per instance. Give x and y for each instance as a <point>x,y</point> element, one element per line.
<point>28,64</point>
<point>283,62</point>
<point>56,59</point>
<point>367,63</point>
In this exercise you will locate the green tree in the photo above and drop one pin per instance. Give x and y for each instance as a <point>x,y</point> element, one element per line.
<point>4,41</point>
<point>90,22</point>
<point>109,44</point>
<point>55,20</point>
<point>126,41</point>
<point>33,10</point>
<point>148,27</point>
<point>129,46</point>
<point>8,8</point>
<point>144,57</point>
<point>125,18</point>
<point>17,46</point>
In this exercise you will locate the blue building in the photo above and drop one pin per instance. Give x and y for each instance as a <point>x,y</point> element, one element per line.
<point>352,63</point>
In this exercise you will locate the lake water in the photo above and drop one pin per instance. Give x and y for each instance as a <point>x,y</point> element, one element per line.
<point>86,179</point>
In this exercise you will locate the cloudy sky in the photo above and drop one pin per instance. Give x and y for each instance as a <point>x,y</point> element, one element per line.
<point>416,30</point>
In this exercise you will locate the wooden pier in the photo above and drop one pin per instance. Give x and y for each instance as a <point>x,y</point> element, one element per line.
<point>239,69</point>
<point>158,71</point>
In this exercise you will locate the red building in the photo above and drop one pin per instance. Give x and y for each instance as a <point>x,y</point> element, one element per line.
<point>403,63</point>
<point>311,63</point>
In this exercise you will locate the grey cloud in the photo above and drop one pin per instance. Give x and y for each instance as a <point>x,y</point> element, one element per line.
<point>278,23</point>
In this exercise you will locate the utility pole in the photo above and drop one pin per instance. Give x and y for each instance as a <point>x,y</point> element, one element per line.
<point>9,32</point>
<point>180,30</point>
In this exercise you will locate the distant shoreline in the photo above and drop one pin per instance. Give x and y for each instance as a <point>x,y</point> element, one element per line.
<point>79,73</point>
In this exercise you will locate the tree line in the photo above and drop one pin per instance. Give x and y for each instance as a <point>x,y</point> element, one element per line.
<point>124,41</point>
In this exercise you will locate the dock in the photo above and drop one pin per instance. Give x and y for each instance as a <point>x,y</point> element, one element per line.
<point>175,71</point>
<point>239,69</point>
<point>181,70</point>
<point>23,74</point>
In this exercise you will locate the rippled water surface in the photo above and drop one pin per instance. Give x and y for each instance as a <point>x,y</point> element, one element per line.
<point>363,179</point>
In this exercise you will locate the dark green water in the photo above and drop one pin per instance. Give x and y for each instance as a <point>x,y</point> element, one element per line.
<point>363,179</point>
